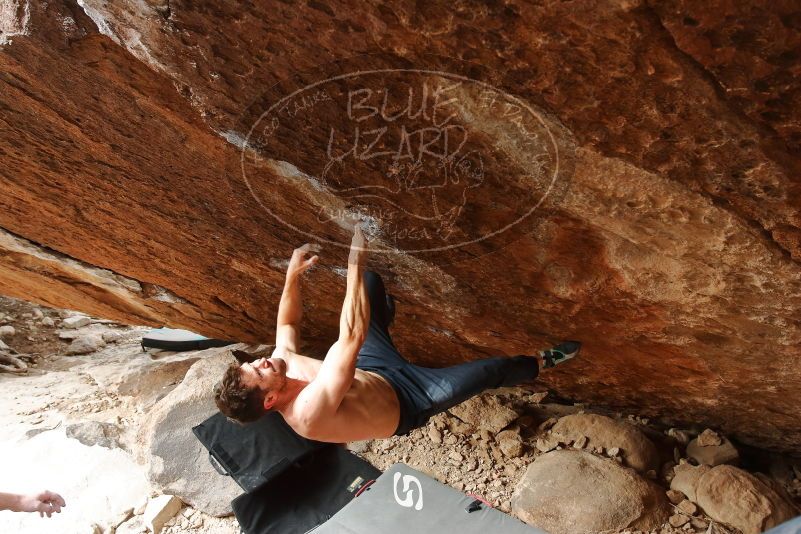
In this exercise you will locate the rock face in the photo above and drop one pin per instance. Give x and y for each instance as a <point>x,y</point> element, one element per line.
<point>733,496</point>
<point>626,174</point>
<point>177,462</point>
<point>559,493</point>
<point>600,431</point>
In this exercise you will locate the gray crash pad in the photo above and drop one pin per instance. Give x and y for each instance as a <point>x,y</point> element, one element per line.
<point>403,500</point>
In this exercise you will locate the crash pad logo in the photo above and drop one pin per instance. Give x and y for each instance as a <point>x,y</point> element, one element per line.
<point>409,492</point>
<point>426,160</point>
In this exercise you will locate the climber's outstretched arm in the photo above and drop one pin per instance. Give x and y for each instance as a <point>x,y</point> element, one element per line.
<point>290,310</point>
<point>322,397</point>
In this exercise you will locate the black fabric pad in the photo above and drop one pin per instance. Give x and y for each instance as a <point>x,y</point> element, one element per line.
<point>256,453</point>
<point>305,495</point>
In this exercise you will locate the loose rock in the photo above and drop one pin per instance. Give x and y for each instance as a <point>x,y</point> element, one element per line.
<point>679,435</point>
<point>685,479</point>
<point>460,428</point>
<point>140,508</point>
<point>485,412</point>
<point>124,516</point>
<point>560,493</point>
<point>111,336</point>
<point>606,433</point>
<point>7,331</point>
<point>730,495</point>
<point>547,424</point>
<point>675,497</point>
<point>358,446</point>
<point>678,520</point>
<point>687,507</point>
<point>712,454</point>
<point>86,344</point>
<point>75,321</point>
<point>510,443</point>
<point>699,523</point>
<point>135,525</point>
<point>160,510</point>
<point>547,443</point>
<point>708,438</point>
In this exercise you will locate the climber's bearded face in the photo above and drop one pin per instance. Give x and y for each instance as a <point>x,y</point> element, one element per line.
<point>264,373</point>
<point>267,375</point>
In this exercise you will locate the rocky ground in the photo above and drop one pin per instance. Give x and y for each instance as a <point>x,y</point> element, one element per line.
<point>72,415</point>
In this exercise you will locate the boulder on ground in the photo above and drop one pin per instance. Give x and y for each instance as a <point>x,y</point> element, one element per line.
<point>177,463</point>
<point>634,447</point>
<point>730,495</point>
<point>110,336</point>
<point>86,344</point>
<point>712,449</point>
<point>7,331</point>
<point>75,321</point>
<point>575,492</point>
<point>485,413</point>
<point>685,479</point>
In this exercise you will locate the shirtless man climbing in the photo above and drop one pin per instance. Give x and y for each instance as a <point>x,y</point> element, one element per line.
<point>364,388</point>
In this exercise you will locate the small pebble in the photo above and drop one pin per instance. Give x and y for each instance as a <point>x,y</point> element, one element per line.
<point>687,507</point>
<point>678,520</point>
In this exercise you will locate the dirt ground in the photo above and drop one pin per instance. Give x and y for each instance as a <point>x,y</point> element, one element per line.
<point>62,395</point>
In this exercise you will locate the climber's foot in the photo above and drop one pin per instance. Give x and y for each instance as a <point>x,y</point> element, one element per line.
<point>562,352</point>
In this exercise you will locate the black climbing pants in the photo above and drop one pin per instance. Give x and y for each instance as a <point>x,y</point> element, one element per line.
<point>424,391</point>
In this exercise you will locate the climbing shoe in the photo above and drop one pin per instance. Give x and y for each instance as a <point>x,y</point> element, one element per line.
<point>560,353</point>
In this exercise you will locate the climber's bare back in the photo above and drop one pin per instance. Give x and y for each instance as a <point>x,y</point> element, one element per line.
<point>369,410</point>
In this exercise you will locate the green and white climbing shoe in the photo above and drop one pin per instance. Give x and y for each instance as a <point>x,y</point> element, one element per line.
<point>562,352</point>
